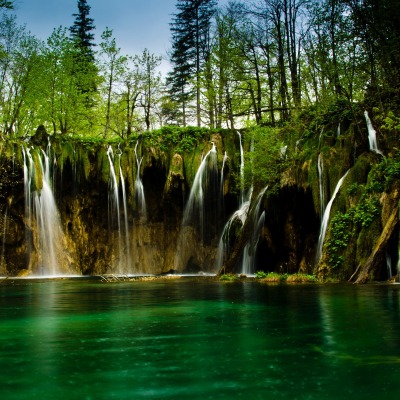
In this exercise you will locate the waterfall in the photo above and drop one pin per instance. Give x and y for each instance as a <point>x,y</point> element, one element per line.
<point>41,211</point>
<point>321,184</point>
<point>257,223</point>
<point>389,264</point>
<point>320,136</point>
<point>373,143</point>
<point>195,204</point>
<point>123,257</point>
<point>221,183</point>
<point>283,152</point>
<point>242,196</point>
<point>398,267</point>
<point>139,189</point>
<point>125,208</point>
<point>222,174</point>
<point>113,194</point>
<point>200,209</point>
<point>224,244</point>
<point>325,219</point>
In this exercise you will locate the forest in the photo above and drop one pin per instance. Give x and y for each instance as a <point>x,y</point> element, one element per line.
<point>244,64</point>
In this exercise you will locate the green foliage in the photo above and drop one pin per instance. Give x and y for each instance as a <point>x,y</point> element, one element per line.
<point>229,278</point>
<point>261,274</point>
<point>352,189</point>
<point>391,122</point>
<point>271,276</point>
<point>301,278</point>
<point>366,210</point>
<point>265,162</point>
<point>391,169</point>
<point>176,139</point>
<point>340,233</point>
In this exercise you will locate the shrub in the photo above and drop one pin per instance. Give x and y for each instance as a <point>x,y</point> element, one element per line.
<point>229,278</point>
<point>301,278</point>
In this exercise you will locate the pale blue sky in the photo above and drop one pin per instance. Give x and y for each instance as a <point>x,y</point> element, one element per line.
<point>136,24</point>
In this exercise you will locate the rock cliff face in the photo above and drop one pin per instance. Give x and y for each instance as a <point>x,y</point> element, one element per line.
<point>124,208</point>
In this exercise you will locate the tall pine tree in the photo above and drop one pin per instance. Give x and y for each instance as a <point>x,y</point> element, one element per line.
<point>83,40</point>
<point>6,4</point>
<point>190,30</point>
<point>81,31</point>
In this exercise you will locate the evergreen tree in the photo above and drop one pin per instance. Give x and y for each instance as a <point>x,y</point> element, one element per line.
<point>6,4</point>
<point>81,30</point>
<point>82,38</point>
<point>190,51</point>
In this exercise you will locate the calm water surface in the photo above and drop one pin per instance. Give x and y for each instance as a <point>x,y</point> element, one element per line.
<point>198,339</point>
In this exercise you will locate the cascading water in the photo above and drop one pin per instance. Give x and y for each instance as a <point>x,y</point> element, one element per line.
<point>321,184</point>
<point>389,264</point>
<point>222,174</point>
<point>42,213</point>
<point>242,195</point>
<point>283,152</point>
<point>373,143</point>
<point>221,183</point>
<point>125,208</point>
<point>256,223</point>
<point>239,216</point>
<point>198,211</point>
<point>195,205</point>
<point>325,219</point>
<point>122,265</point>
<point>139,189</point>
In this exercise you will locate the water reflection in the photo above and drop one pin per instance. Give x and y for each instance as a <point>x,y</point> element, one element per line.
<point>193,339</point>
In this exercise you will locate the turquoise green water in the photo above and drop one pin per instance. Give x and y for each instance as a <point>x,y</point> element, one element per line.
<point>187,339</point>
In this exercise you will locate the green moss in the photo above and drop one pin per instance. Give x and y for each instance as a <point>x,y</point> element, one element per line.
<point>37,174</point>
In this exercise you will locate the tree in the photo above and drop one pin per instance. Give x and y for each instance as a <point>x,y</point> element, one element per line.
<point>190,50</point>
<point>377,23</point>
<point>81,31</point>
<point>113,65</point>
<point>6,4</point>
<point>83,40</point>
<point>19,61</point>
<point>65,106</point>
<point>151,84</point>
<point>228,63</point>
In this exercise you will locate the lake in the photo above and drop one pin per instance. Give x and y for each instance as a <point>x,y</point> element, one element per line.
<point>191,338</point>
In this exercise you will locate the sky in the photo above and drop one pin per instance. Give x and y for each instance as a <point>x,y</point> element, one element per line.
<point>136,24</point>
